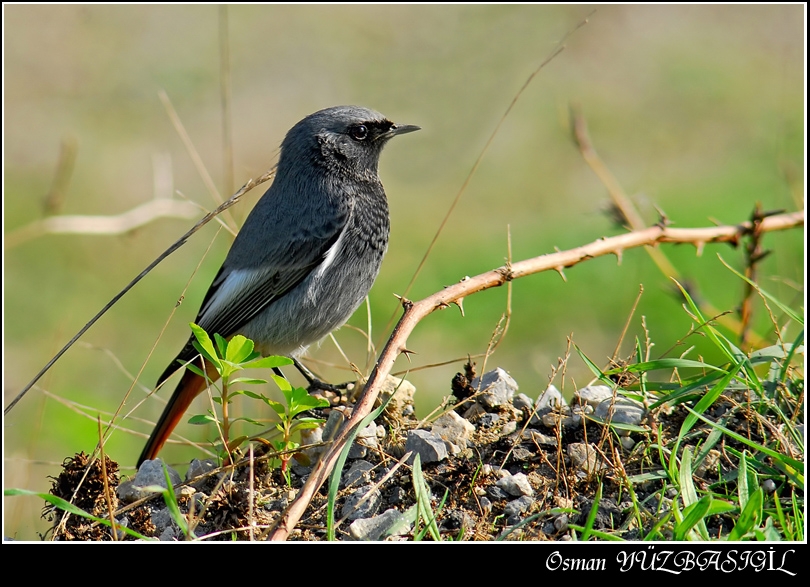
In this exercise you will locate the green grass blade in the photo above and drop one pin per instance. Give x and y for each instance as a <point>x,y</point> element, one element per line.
<point>587,530</point>
<point>693,516</point>
<point>70,508</point>
<point>334,478</point>
<point>749,517</point>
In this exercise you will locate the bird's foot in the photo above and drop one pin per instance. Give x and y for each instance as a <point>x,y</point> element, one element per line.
<point>316,384</point>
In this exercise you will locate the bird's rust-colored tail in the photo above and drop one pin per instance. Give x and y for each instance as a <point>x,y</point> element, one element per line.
<point>190,386</point>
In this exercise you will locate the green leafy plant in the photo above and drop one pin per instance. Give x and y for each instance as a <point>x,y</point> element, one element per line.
<point>229,358</point>
<point>297,401</point>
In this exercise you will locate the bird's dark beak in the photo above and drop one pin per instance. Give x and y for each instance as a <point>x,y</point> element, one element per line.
<point>401,129</point>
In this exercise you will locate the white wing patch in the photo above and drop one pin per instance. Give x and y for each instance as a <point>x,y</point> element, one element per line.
<point>329,258</point>
<point>237,281</point>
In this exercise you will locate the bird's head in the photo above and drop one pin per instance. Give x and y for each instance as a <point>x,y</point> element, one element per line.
<point>347,139</point>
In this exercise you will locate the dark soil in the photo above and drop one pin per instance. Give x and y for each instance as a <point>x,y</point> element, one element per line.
<point>626,474</point>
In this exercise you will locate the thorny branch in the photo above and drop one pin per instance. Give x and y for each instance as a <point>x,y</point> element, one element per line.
<point>414,312</point>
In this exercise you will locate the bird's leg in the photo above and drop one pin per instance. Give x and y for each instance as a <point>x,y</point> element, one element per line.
<point>314,382</point>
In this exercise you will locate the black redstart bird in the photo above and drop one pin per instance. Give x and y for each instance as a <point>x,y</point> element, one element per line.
<point>307,254</point>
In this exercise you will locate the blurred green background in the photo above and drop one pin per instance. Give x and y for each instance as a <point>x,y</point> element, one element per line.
<point>697,110</point>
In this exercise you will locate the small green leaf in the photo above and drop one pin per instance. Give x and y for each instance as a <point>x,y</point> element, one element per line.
<point>268,362</point>
<point>204,344</point>
<point>235,442</point>
<point>282,383</point>
<point>742,481</point>
<point>315,420</point>
<point>252,394</point>
<point>719,506</point>
<point>301,401</point>
<point>248,420</point>
<point>200,419</point>
<point>196,370</point>
<point>248,381</point>
<point>279,408</point>
<point>309,425</point>
<point>239,349</point>
<point>222,345</point>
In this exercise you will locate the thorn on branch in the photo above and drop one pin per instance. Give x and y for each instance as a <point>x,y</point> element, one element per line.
<point>460,303</point>
<point>663,220</point>
<point>406,303</point>
<point>407,353</point>
<point>561,271</point>
<point>757,216</point>
<point>758,256</point>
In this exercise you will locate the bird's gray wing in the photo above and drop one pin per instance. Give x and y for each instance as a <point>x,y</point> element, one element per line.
<point>241,289</point>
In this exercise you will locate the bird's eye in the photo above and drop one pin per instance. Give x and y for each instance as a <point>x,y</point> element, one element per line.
<point>359,132</point>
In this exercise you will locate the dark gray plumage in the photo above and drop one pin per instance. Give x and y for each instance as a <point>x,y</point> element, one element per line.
<point>307,254</point>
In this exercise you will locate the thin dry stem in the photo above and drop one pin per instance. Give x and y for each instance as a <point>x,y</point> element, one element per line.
<point>103,225</point>
<point>107,492</point>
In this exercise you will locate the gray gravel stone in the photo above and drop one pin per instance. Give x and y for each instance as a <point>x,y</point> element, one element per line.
<point>508,428</point>
<point>365,440</point>
<point>390,522</point>
<point>454,430</point>
<point>496,493</point>
<point>534,436</point>
<point>517,484</point>
<point>622,411</point>
<point>593,394</point>
<point>550,398</point>
<point>150,473</point>
<point>567,419</point>
<point>524,403</point>
<point>429,446</point>
<point>333,422</point>
<point>403,395</point>
<point>518,506</point>
<point>561,523</point>
<point>585,457</point>
<point>354,510</point>
<point>488,420</point>
<point>199,467</point>
<point>397,495</point>
<point>313,436</point>
<point>497,388</point>
<point>358,474</point>
<point>521,453</point>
